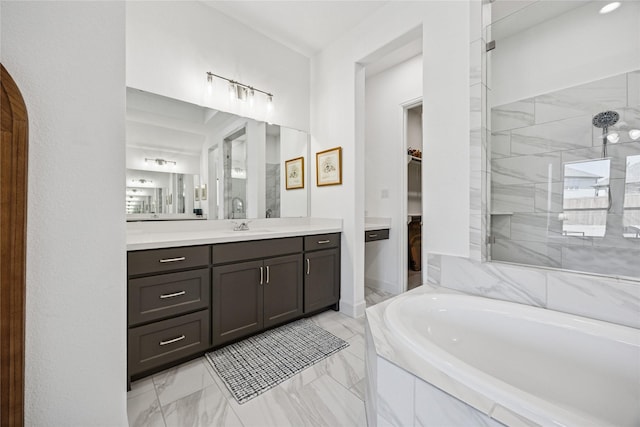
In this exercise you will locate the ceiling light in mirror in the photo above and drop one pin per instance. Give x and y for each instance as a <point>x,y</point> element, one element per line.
<point>610,7</point>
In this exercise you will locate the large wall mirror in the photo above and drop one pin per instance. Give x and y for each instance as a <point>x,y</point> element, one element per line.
<point>185,161</point>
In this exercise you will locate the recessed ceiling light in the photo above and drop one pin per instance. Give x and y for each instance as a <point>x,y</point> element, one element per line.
<point>610,7</point>
<point>634,134</point>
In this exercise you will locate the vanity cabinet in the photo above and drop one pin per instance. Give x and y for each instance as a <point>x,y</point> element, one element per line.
<point>322,272</point>
<point>168,306</point>
<point>255,285</point>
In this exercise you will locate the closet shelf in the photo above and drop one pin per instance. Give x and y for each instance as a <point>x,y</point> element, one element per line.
<point>414,159</point>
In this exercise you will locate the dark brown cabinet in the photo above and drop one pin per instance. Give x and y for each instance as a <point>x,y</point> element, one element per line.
<point>168,295</point>
<point>253,295</point>
<point>322,272</point>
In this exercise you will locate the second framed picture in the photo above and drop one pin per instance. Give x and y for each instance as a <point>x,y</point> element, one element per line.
<point>329,167</point>
<point>294,173</point>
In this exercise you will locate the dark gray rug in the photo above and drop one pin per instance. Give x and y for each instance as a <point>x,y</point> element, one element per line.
<point>259,363</point>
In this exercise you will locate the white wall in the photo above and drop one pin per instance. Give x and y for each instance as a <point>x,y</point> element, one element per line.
<point>337,119</point>
<point>384,151</point>
<point>68,60</point>
<point>576,47</point>
<point>293,144</point>
<point>172,44</point>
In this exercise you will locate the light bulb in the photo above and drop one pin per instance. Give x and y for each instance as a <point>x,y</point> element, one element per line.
<point>610,7</point>
<point>634,134</point>
<point>613,137</point>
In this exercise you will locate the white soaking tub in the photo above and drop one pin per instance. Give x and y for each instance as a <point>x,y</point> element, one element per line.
<point>549,367</point>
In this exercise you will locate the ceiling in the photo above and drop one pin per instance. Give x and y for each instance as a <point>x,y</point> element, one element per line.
<point>306,26</point>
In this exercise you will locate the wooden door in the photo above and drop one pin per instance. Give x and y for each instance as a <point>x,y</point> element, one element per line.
<point>13,227</point>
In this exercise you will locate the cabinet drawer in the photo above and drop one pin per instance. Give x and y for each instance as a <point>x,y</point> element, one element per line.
<point>373,235</point>
<point>170,294</point>
<point>161,260</point>
<point>163,342</point>
<point>321,241</point>
<point>243,251</point>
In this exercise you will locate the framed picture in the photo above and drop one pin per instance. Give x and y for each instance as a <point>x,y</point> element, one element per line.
<point>329,167</point>
<point>294,170</point>
<point>203,192</point>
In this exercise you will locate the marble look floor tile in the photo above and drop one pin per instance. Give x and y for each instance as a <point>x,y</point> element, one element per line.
<point>273,408</point>
<point>141,386</point>
<point>182,381</point>
<point>206,407</point>
<point>337,324</point>
<point>357,345</point>
<point>359,389</point>
<point>143,410</point>
<point>345,368</point>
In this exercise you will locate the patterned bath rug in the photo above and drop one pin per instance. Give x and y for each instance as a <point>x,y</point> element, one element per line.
<point>254,365</point>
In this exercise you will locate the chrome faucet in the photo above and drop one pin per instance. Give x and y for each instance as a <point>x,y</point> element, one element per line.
<point>240,226</point>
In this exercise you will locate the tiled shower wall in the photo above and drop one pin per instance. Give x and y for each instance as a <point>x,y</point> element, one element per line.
<point>531,139</point>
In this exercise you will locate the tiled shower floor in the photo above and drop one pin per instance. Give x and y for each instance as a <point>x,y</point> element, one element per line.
<point>330,393</point>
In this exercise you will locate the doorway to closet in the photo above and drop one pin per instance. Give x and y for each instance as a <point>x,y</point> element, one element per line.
<point>413,141</point>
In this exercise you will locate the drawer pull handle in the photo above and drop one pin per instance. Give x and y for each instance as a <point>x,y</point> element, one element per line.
<point>180,338</point>
<point>175,294</point>
<point>261,275</point>
<point>322,242</point>
<point>308,266</point>
<point>267,274</point>
<point>372,236</point>
<point>172,259</point>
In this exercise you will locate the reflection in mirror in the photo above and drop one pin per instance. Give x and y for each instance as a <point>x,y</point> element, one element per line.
<point>631,212</point>
<point>586,199</point>
<point>229,166</point>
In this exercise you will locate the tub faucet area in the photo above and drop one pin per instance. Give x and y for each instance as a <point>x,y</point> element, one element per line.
<point>240,226</point>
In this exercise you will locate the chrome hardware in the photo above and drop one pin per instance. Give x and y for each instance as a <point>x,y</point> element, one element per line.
<point>175,294</point>
<point>371,236</point>
<point>267,274</point>
<point>241,226</point>
<point>180,338</point>
<point>173,259</point>
<point>308,266</point>
<point>261,275</point>
<point>322,242</point>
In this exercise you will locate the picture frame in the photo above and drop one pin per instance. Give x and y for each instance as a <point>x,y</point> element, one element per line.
<point>329,167</point>
<point>294,173</point>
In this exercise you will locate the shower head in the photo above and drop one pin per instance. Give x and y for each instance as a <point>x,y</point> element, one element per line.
<point>605,119</point>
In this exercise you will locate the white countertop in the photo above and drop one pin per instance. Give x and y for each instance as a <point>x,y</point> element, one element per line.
<point>166,234</point>
<point>376,223</point>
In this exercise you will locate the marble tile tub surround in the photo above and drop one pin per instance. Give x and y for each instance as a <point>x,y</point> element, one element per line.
<point>611,299</point>
<point>531,139</point>
<point>164,234</point>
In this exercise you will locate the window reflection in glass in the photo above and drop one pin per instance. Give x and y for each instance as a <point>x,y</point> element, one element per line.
<point>631,212</point>
<point>586,198</point>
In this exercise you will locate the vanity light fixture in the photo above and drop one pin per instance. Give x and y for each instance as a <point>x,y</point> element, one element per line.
<point>240,91</point>
<point>160,162</point>
<point>610,7</point>
<point>634,134</point>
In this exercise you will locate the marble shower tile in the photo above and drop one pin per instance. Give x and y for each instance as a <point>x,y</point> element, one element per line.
<point>587,99</point>
<point>534,169</point>
<point>535,227</point>
<point>633,89</point>
<point>567,134</point>
<point>436,408</point>
<point>612,300</point>
<point>475,21</point>
<point>512,198</point>
<point>501,226</point>
<point>475,237</point>
<point>512,116</point>
<point>548,197</point>
<point>491,280</point>
<point>395,394</point>
<point>500,144</point>
<point>206,407</point>
<point>433,269</point>
<point>603,260</point>
<point>182,381</point>
<point>530,253</point>
<point>143,410</point>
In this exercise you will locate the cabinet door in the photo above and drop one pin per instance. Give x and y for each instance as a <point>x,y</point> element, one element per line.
<point>236,300</point>
<point>322,279</point>
<point>282,289</point>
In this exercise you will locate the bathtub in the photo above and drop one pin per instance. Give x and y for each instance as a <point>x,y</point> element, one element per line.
<point>549,367</point>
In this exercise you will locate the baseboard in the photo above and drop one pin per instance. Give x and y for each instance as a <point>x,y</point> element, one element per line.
<point>353,310</point>
<point>382,285</point>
